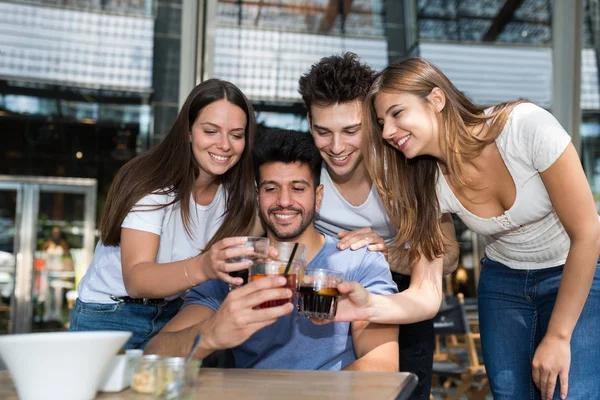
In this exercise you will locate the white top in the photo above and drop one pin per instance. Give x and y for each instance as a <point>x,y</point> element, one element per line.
<point>529,235</point>
<point>336,214</point>
<point>105,277</point>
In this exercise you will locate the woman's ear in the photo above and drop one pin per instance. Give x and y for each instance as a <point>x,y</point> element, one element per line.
<point>437,97</point>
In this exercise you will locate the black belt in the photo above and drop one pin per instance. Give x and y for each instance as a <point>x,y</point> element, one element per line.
<point>146,302</point>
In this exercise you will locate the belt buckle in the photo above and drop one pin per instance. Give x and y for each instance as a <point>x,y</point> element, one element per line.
<point>116,298</point>
<point>147,301</point>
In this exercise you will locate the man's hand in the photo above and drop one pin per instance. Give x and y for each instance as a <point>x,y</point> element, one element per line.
<point>237,319</point>
<point>360,238</point>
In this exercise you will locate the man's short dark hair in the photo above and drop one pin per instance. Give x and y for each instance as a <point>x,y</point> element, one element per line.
<point>287,146</point>
<point>336,79</point>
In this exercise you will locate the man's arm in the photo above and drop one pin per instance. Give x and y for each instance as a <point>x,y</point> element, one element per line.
<point>233,323</point>
<point>175,339</point>
<point>375,346</point>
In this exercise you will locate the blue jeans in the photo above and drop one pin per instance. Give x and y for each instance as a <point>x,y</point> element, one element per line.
<point>514,311</point>
<point>144,321</point>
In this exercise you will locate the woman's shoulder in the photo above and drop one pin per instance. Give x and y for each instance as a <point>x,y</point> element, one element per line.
<point>530,114</point>
<point>159,197</point>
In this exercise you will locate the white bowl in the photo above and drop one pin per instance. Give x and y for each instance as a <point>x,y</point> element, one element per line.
<point>59,365</point>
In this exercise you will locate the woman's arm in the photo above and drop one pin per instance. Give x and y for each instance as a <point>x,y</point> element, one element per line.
<point>145,278</point>
<point>419,302</point>
<point>451,250</point>
<point>572,199</point>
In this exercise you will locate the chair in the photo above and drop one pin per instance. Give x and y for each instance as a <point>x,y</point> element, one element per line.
<point>458,362</point>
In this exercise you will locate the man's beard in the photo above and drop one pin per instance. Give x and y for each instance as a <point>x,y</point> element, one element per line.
<point>306,220</point>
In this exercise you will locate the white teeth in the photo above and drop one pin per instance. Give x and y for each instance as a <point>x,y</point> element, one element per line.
<point>343,158</point>
<point>284,216</point>
<point>403,140</point>
<point>218,158</point>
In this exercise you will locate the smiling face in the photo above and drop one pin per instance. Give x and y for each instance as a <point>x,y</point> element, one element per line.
<point>337,133</point>
<point>218,137</point>
<point>409,123</point>
<point>287,198</point>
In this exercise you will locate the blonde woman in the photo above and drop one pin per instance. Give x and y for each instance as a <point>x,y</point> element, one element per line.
<point>512,175</point>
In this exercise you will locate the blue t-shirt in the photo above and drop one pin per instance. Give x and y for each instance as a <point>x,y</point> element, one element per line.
<point>293,342</point>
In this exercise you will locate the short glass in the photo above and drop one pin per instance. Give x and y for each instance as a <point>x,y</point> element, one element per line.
<point>318,293</point>
<point>176,379</point>
<point>143,379</point>
<point>265,268</point>
<point>285,251</point>
<point>261,250</point>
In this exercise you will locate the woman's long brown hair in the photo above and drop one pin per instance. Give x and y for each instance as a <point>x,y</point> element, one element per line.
<point>408,186</point>
<point>171,168</point>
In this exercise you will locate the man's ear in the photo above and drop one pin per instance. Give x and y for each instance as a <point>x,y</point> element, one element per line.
<point>437,97</point>
<point>318,197</point>
<point>308,119</point>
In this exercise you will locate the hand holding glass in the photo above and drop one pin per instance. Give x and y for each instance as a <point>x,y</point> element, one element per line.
<point>261,251</point>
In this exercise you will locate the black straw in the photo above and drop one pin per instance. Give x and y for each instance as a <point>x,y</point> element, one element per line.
<point>289,264</point>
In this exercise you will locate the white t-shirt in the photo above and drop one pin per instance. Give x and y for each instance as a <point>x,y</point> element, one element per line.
<point>105,276</point>
<point>529,235</point>
<point>336,214</point>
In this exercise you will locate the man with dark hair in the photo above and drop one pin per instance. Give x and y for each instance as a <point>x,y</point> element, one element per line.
<point>287,166</point>
<point>333,91</point>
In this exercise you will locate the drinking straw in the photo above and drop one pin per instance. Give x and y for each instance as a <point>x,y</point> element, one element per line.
<point>193,349</point>
<point>289,264</point>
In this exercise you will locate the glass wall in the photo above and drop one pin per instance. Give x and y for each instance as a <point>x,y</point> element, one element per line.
<point>264,47</point>
<point>82,91</point>
<point>526,22</point>
<point>590,153</point>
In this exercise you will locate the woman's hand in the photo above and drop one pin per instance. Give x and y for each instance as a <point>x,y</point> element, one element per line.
<point>224,257</point>
<point>360,238</point>
<point>354,304</point>
<point>552,360</point>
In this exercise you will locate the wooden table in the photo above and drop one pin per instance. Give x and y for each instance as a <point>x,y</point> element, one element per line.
<point>270,384</point>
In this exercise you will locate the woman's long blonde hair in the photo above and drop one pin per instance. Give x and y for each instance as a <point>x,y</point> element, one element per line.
<point>408,186</point>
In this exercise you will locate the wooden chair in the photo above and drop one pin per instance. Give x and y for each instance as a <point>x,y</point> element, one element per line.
<point>458,360</point>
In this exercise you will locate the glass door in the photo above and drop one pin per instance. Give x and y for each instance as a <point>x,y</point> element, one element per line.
<point>47,230</point>
<point>58,258</point>
<point>8,238</point>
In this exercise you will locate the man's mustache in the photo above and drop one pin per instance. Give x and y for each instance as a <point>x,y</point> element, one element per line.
<point>278,209</point>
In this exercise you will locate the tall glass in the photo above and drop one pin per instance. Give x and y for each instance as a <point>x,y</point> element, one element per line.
<point>285,251</point>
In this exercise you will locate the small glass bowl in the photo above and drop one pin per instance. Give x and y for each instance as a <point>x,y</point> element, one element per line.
<point>143,379</point>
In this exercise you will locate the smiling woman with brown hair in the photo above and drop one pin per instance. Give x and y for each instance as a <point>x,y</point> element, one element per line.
<point>172,216</point>
<point>512,175</point>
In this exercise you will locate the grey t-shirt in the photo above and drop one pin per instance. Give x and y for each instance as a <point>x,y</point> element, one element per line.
<point>336,214</point>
